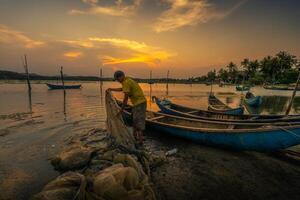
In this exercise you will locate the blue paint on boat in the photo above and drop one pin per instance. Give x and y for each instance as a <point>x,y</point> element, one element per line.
<point>261,140</point>
<point>254,101</point>
<point>235,111</point>
<point>59,87</point>
<point>214,104</point>
<point>265,141</point>
<point>170,108</point>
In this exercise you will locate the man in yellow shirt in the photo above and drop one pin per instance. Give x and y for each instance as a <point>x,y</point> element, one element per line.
<point>133,91</point>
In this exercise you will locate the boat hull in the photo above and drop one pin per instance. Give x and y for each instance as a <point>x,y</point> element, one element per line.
<point>255,140</point>
<point>60,87</point>
<point>233,111</point>
<point>251,141</point>
<point>254,102</point>
<point>216,105</point>
<point>181,111</point>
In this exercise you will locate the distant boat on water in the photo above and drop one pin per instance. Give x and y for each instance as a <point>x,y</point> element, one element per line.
<point>252,100</point>
<point>273,87</point>
<point>57,87</point>
<point>242,88</point>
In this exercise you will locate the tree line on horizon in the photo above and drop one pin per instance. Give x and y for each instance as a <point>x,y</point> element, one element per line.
<point>283,68</point>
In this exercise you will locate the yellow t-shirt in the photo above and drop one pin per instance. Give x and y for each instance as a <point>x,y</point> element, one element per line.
<point>134,91</point>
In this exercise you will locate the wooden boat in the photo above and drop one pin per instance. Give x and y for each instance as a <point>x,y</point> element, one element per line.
<point>214,104</point>
<point>236,136</point>
<point>170,108</point>
<point>268,87</point>
<point>252,100</point>
<point>242,88</point>
<point>56,87</point>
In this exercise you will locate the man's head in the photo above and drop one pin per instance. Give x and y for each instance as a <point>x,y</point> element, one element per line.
<point>119,76</point>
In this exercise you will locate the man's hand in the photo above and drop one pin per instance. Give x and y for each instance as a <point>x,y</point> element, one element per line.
<point>108,90</point>
<point>120,112</point>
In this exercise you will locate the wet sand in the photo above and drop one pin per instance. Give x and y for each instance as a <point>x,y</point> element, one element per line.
<point>194,172</point>
<point>201,172</point>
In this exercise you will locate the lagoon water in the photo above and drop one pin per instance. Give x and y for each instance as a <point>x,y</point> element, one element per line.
<point>33,128</point>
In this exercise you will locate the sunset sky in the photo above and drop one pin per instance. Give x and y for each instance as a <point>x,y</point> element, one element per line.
<point>187,37</point>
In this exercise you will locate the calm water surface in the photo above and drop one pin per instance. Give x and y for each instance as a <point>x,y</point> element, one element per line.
<point>32,129</point>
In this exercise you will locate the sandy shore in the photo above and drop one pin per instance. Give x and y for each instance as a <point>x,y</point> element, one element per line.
<point>201,172</point>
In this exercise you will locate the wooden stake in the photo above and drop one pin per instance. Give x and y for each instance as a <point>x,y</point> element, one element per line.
<point>27,72</point>
<point>62,77</point>
<point>167,86</point>
<point>100,79</point>
<point>293,97</point>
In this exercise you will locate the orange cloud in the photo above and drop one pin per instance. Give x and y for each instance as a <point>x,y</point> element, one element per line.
<point>73,54</point>
<point>190,12</point>
<point>151,59</point>
<point>118,9</point>
<point>10,36</point>
<point>139,52</point>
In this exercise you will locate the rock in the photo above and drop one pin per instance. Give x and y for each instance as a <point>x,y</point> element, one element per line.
<point>75,157</point>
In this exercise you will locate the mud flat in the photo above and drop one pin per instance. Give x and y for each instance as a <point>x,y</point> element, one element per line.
<point>200,172</point>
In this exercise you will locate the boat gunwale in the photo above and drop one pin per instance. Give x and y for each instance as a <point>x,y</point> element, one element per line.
<point>263,120</point>
<point>289,126</point>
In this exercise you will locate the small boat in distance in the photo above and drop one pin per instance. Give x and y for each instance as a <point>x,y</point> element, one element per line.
<point>242,88</point>
<point>236,136</point>
<point>167,107</point>
<point>57,87</point>
<point>214,104</point>
<point>252,100</point>
<point>287,88</point>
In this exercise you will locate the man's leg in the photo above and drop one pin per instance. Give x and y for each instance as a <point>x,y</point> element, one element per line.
<point>138,113</point>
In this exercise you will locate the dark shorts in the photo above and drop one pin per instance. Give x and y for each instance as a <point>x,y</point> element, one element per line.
<point>139,116</point>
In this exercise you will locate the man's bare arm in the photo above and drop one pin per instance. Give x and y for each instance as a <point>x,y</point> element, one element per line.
<point>115,89</point>
<point>125,101</point>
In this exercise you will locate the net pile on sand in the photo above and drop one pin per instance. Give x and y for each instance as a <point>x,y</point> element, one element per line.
<point>101,165</point>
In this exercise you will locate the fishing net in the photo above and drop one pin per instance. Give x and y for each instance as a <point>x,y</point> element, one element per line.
<point>70,185</point>
<point>115,123</point>
<point>74,157</point>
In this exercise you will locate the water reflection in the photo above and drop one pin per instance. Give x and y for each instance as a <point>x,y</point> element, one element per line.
<point>29,102</point>
<point>65,109</point>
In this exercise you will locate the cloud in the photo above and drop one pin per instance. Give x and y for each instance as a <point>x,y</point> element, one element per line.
<point>190,12</point>
<point>10,36</point>
<point>122,50</point>
<point>119,8</point>
<point>73,54</point>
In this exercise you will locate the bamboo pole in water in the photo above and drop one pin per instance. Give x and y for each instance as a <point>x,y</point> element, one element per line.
<point>150,86</point>
<point>27,72</point>
<point>62,77</point>
<point>167,86</point>
<point>101,84</point>
<point>293,97</point>
<point>100,73</point>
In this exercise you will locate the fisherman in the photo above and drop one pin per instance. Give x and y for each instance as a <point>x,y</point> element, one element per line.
<point>133,91</point>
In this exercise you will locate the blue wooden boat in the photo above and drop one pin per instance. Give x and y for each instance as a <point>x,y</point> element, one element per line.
<point>236,136</point>
<point>242,88</point>
<point>252,100</point>
<point>214,104</point>
<point>57,87</point>
<point>167,107</point>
